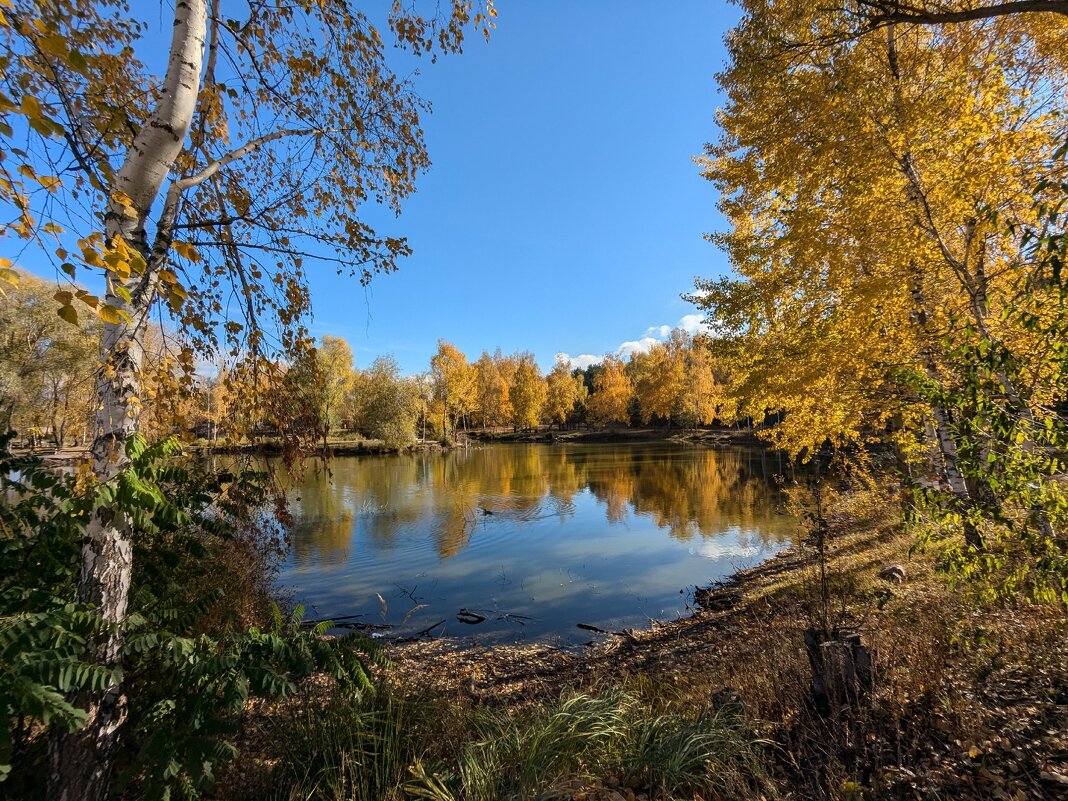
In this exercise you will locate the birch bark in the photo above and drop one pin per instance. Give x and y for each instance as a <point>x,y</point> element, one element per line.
<point>80,762</point>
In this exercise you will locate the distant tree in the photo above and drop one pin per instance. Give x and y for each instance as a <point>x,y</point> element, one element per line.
<point>527,393</point>
<point>493,405</point>
<point>589,374</point>
<point>562,394</point>
<point>423,387</point>
<point>335,377</point>
<point>612,392</point>
<point>659,377</point>
<point>702,395</point>
<point>580,409</point>
<point>390,404</point>
<point>455,385</point>
<point>47,366</point>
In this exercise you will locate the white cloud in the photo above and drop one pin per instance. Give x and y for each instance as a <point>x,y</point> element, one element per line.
<point>690,323</point>
<point>582,361</point>
<point>693,323</point>
<point>642,345</point>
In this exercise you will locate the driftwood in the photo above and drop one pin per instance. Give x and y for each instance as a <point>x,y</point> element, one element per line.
<point>429,628</point>
<point>336,620</point>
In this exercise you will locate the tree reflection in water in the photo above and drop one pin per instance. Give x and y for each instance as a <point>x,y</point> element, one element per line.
<point>443,497</point>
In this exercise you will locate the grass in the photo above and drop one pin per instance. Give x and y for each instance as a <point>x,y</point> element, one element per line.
<point>387,748</point>
<point>341,749</point>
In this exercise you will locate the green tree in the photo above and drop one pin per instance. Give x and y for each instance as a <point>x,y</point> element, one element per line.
<point>389,404</point>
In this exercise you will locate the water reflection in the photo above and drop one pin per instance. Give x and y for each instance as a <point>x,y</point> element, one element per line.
<point>597,532</point>
<point>688,492</point>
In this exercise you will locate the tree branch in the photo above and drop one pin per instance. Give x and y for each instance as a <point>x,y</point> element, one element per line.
<point>888,12</point>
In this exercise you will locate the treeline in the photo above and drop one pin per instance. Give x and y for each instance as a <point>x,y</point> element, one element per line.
<point>49,368</point>
<point>674,383</point>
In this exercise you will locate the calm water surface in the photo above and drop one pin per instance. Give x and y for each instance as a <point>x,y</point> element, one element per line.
<point>536,538</point>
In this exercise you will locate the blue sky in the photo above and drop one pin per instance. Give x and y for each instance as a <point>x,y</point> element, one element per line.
<point>563,211</point>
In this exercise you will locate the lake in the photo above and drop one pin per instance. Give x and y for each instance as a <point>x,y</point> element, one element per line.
<point>535,539</point>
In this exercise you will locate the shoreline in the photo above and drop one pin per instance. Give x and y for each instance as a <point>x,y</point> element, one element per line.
<point>510,673</point>
<point>369,447</point>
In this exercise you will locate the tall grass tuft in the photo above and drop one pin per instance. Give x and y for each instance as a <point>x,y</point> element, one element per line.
<point>344,749</point>
<point>584,741</point>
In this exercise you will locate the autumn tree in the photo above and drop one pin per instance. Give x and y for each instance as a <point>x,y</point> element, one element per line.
<point>455,387</point>
<point>47,366</point>
<point>256,150</point>
<point>527,392</point>
<point>612,391</point>
<point>659,377</point>
<point>876,186</point>
<point>857,243</point>
<point>493,405</point>
<point>702,397</point>
<point>334,380</point>
<point>562,394</point>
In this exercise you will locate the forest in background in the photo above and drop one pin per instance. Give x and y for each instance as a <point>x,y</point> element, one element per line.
<point>49,370</point>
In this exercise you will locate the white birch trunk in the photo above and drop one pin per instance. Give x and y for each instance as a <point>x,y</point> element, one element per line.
<point>79,763</point>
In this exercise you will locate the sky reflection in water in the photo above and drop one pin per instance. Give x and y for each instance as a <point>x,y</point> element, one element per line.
<point>606,535</point>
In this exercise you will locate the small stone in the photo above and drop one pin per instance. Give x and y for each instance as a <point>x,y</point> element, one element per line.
<point>893,573</point>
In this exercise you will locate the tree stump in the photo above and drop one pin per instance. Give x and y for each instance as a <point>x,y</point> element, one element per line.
<point>841,669</point>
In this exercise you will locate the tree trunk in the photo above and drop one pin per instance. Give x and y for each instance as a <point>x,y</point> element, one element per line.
<point>80,762</point>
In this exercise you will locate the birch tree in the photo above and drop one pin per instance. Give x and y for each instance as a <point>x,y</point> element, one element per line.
<point>561,394</point>
<point>612,391</point>
<point>201,192</point>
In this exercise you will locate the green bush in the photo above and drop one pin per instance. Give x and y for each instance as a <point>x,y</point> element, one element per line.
<point>186,680</point>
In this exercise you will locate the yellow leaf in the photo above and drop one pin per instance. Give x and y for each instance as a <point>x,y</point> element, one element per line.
<point>68,313</point>
<point>125,202</point>
<point>9,276</point>
<point>49,182</point>
<point>53,44</point>
<point>6,263</point>
<point>30,107</point>
<point>109,314</point>
<point>187,251</point>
